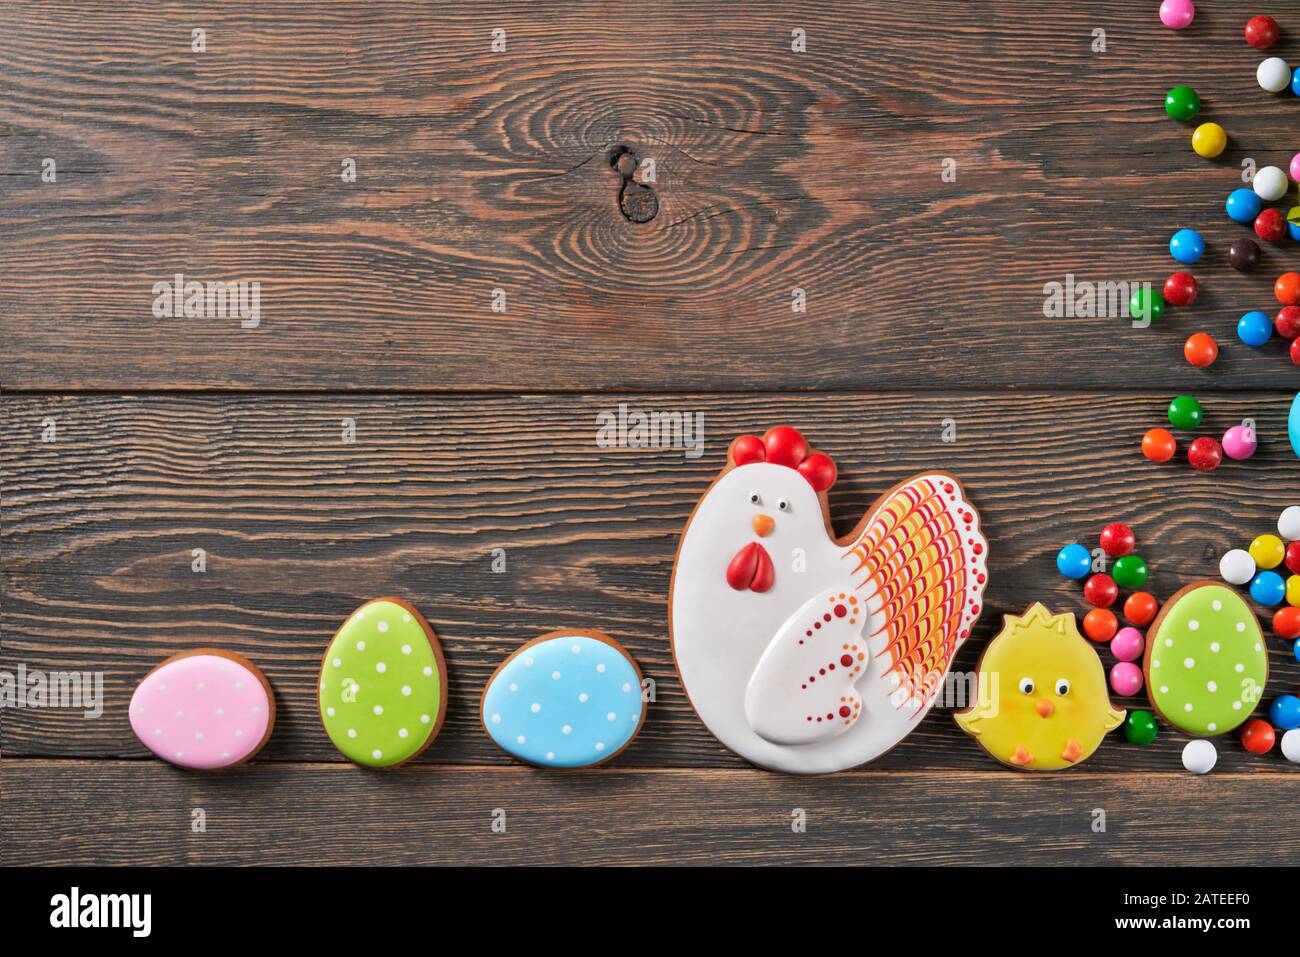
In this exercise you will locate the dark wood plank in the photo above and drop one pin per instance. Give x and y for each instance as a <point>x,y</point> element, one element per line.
<point>300,528</point>
<point>776,170</point>
<point>115,812</point>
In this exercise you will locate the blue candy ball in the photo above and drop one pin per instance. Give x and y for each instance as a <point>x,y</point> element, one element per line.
<point>1187,246</point>
<point>1295,82</point>
<point>1296,648</point>
<point>1243,205</point>
<point>1293,229</point>
<point>1254,328</point>
<point>1074,561</point>
<point>1268,589</point>
<point>1284,712</point>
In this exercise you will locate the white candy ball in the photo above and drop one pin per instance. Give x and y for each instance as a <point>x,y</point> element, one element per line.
<point>1288,525</point>
<point>1237,567</point>
<point>1274,74</point>
<point>1291,745</point>
<point>1199,756</point>
<point>1271,184</point>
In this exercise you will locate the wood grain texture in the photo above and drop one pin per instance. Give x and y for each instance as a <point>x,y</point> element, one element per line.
<point>118,812</point>
<point>478,171</point>
<point>300,528</point>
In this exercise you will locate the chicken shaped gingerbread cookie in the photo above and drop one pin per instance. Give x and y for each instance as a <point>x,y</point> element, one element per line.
<point>807,653</point>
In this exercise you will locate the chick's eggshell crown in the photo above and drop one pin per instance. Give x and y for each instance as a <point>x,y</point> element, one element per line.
<point>786,446</point>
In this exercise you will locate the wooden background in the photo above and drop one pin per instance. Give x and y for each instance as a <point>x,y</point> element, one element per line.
<point>475,430</point>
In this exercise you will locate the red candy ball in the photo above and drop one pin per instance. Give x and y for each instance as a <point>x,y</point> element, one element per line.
<point>1100,625</point>
<point>1181,289</point>
<point>1117,539</point>
<point>1270,226</point>
<point>1261,32</point>
<point>1292,559</point>
<point>1287,289</point>
<point>1100,591</point>
<point>1295,351</point>
<point>1286,623</point>
<point>1201,350</point>
<point>1205,454</point>
<point>1287,322</point>
<point>1159,445</point>
<point>1258,736</point>
<point>785,446</point>
<point>1141,608</point>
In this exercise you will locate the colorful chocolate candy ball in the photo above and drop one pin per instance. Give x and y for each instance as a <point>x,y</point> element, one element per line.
<point>1293,591</point>
<point>1268,551</point>
<point>1270,226</point>
<point>1237,567</point>
<point>1185,413</point>
<point>1287,288</point>
<point>1295,352</point>
<point>1100,625</point>
<point>1128,644</point>
<point>1074,561</point>
<point>1140,608</point>
<point>1159,445</point>
<point>1100,591</point>
<point>1286,623</point>
<point>1243,255</point>
<point>1255,328</point>
<point>1291,746</point>
<point>1181,289</point>
<point>1182,103</point>
<point>1240,443</point>
<point>1273,74</point>
<point>1209,140</point>
<point>1117,539</point>
<point>1140,727</point>
<point>1177,14</point>
<point>1201,350</point>
<point>1293,223</point>
<point>1125,678</point>
<point>1292,560</point>
<point>1187,246</point>
<point>1243,205</point>
<point>1295,82</point>
<point>1146,305</point>
<point>1261,32</point>
<point>1258,736</point>
<point>1270,184</point>
<point>1295,167</point>
<point>1268,589</point>
<point>1284,712</point>
<point>1200,756</point>
<point>1288,525</point>
<point>1287,322</point>
<point>1130,571</point>
<point>1205,454</point>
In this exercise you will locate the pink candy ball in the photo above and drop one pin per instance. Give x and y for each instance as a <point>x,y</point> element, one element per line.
<point>1127,644</point>
<point>1240,442</point>
<point>1126,679</point>
<point>1177,14</point>
<point>1295,167</point>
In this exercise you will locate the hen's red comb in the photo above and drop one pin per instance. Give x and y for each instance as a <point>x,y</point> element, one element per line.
<point>785,446</point>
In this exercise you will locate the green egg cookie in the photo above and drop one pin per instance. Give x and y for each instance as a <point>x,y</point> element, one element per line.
<point>1206,664</point>
<point>383,685</point>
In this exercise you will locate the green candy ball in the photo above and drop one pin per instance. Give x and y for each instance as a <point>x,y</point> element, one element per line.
<point>1146,304</point>
<point>1185,413</point>
<point>1182,103</point>
<point>1129,571</point>
<point>1140,727</point>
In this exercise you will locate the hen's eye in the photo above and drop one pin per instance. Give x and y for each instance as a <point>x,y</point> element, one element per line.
<point>754,499</point>
<point>1062,686</point>
<point>1026,685</point>
<point>783,505</point>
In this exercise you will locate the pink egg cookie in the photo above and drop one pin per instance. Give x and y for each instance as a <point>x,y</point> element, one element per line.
<point>204,709</point>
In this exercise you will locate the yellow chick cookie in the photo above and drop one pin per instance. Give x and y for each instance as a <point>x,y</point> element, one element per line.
<point>1041,702</point>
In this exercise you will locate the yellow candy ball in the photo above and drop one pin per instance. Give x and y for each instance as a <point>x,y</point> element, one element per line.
<point>1268,551</point>
<point>1209,140</point>
<point>1293,590</point>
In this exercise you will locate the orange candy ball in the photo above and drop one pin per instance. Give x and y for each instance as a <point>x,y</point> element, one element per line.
<point>1201,350</point>
<point>1158,445</point>
<point>1286,623</point>
<point>1140,608</point>
<point>1100,624</point>
<point>1287,289</point>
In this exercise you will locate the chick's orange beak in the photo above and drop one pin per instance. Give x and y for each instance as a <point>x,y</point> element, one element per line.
<point>763,525</point>
<point>1044,708</point>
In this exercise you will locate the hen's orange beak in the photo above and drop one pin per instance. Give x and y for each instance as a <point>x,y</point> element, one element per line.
<point>763,525</point>
<point>1044,708</point>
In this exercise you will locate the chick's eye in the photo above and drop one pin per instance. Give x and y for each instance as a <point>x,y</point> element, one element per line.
<point>1062,686</point>
<point>754,498</point>
<point>1026,685</point>
<point>783,505</point>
